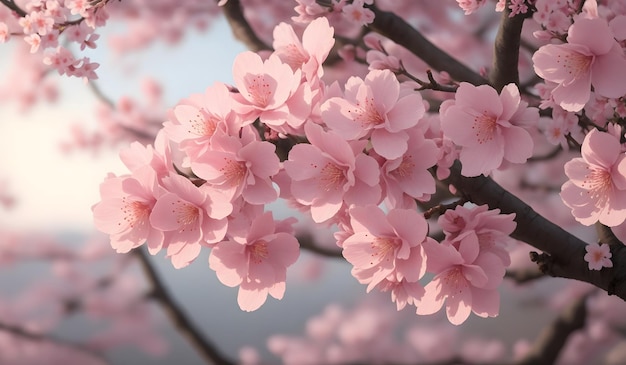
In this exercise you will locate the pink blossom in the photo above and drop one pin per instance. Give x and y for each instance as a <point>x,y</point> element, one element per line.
<point>592,57</point>
<point>596,189</point>
<point>465,279</point>
<point>374,107</point>
<point>489,128</point>
<point>408,176</point>
<point>271,91</point>
<point>239,167</point>
<point>386,245</point>
<point>308,55</point>
<point>598,256</point>
<point>258,263</point>
<point>189,216</point>
<point>124,211</point>
<point>470,6</point>
<point>330,172</point>
<point>358,13</point>
<point>5,35</point>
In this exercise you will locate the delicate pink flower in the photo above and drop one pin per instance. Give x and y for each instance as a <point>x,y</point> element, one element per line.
<point>489,128</point>
<point>193,122</point>
<point>470,6</point>
<point>190,216</point>
<point>386,246</point>
<point>330,172</point>
<point>124,211</point>
<point>465,279</point>
<point>408,175</point>
<point>596,190</point>
<point>240,167</point>
<point>5,35</point>
<point>258,263</point>
<point>357,13</point>
<point>271,91</point>
<point>308,55</point>
<point>375,108</point>
<point>592,57</point>
<point>598,256</point>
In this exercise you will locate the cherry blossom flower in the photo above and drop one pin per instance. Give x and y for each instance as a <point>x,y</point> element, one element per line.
<point>189,216</point>
<point>375,107</point>
<point>329,172</point>
<point>357,13</point>
<point>598,256</point>
<point>386,245</point>
<point>470,6</point>
<point>596,189</point>
<point>308,55</point>
<point>124,211</point>
<point>465,279</point>
<point>489,128</point>
<point>240,167</point>
<point>5,35</point>
<point>258,263</point>
<point>591,57</point>
<point>271,91</point>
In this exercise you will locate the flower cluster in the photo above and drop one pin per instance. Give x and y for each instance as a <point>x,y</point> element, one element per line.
<point>43,24</point>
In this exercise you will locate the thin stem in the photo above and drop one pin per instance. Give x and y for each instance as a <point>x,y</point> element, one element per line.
<point>206,349</point>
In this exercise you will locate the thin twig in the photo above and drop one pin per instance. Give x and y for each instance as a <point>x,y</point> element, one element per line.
<point>205,348</point>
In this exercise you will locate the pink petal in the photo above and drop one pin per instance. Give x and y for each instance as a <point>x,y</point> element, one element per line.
<point>389,145</point>
<point>592,33</point>
<point>518,145</point>
<point>607,73</point>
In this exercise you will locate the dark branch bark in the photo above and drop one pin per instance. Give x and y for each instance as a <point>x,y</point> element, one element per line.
<point>11,5</point>
<point>395,28</point>
<point>551,341</point>
<point>565,251</point>
<point>241,28</point>
<point>506,51</point>
<point>207,350</point>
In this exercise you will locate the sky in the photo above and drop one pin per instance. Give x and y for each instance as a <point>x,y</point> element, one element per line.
<point>54,190</point>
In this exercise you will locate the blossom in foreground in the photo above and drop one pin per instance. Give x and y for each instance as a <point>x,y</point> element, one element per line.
<point>596,189</point>
<point>466,279</point>
<point>257,263</point>
<point>375,108</point>
<point>591,57</point>
<point>489,128</point>
<point>598,256</point>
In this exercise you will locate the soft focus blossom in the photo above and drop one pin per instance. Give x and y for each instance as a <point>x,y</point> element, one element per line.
<point>598,256</point>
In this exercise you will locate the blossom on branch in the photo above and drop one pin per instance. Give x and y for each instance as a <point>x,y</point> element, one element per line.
<point>598,256</point>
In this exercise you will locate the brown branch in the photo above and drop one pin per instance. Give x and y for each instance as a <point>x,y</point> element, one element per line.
<point>506,51</point>
<point>307,242</point>
<point>43,338</point>
<point>11,5</point>
<point>396,29</point>
<point>564,252</point>
<point>241,28</point>
<point>551,341</point>
<point>207,350</point>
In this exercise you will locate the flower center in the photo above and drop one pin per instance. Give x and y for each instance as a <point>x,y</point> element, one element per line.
<point>332,177</point>
<point>186,215</point>
<point>406,167</point>
<point>575,63</point>
<point>233,172</point>
<point>258,251</point>
<point>134,213</point>
<point>259,90</point>
<point>484,127</point>
<point>598,183</point>
<point>455,281</point>
<point>383,249</point>
<point>366,113</point>
<point>203,124</point>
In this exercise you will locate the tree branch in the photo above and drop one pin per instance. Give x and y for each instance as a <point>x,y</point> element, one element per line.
<point>11,5</point>
<point>241,28</point>
<point>21,332</point>
<point>565,252</point>
<point>207,350</point>
<point>395,28</point>
<point>551,341</point>
<point>506,51</point>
